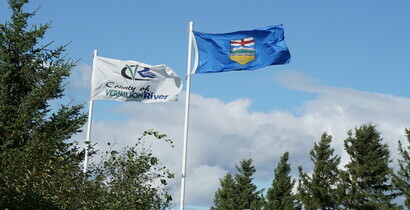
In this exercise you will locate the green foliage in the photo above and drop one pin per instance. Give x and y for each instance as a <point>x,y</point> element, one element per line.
<point>226,194</point>
<point>367,181</point>
<point>40,167</point>
<point>31,175</point>
<point>318,191</point>
<point>248,195</point>
<point>366,184</point>
<point>240,192</point>
<point>280,195</point>
<point>130,179</point>
<point>402,179</point>
<point>31,76</point>
<point>134,178</point>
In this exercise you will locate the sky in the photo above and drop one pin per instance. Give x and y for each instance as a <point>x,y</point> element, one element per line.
<point>350,63</point>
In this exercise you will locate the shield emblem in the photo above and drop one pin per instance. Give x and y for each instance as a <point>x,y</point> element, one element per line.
<point>243,50</point>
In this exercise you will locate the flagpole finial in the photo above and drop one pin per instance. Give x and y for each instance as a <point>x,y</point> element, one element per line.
<point>191,26</point>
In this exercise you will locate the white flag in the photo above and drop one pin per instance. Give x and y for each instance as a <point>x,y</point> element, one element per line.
<point>133,81</point>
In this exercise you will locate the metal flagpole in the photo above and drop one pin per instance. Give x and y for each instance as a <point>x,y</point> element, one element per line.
<point>187,97</point>
<point>90,119</point>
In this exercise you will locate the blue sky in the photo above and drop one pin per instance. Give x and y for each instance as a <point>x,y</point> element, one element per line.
<point>350,65</point>
<point>361,45</point>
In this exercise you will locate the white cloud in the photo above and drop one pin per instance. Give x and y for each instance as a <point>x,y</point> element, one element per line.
<point>337,110</point>
<point>203,178</point>
<point>81,76</point>
<point>79,84</point>
<point>221,134</point>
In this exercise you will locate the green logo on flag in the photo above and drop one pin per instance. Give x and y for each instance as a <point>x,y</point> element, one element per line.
<point>131,73</point>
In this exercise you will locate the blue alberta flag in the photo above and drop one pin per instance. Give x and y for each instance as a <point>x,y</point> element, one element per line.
<point>240,50</point>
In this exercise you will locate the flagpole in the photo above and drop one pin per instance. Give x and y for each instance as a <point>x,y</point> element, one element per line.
<point>90,119</point>
<point>187,98</point>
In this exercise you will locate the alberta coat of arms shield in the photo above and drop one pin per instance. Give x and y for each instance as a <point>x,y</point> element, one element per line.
<point>243,50</point>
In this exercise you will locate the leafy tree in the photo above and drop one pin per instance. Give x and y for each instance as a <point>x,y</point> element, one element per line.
<point>133,179</point>
<point>238,192</point>
<point>318,191</point>
<point>402,179</point>
<point>367,181</point>
<point>280,196</point>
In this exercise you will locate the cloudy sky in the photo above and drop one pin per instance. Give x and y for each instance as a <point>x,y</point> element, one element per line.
<point>350,65</point>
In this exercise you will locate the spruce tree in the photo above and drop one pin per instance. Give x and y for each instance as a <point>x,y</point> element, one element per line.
<point>367,181</point>
<point>37,162</point>
<point>31,75</point>
<point>280,196</point>
<point>40,164</point>
<point>248,195</point>
<point>402,179</point>
<point>318,191</point>
<point>239,192</point>
<point>226,194</point>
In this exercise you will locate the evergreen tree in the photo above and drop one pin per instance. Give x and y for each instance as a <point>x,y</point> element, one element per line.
<point>226,194</point>
<point>280,196</point>
<point>367,181</point>
<point>239,192</point>
<point>40,168</point>
<point>248,195</point>
<point>402,179</point>
<point>38,165</point>
<point>31,76</point>
<point>318,191</point>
